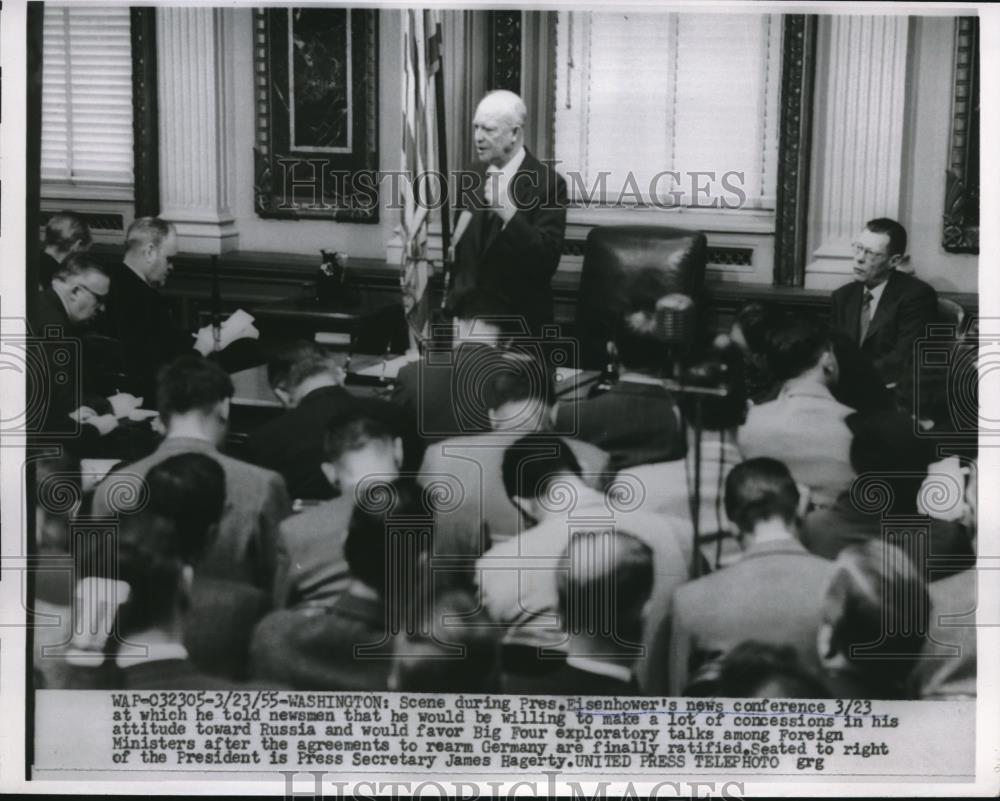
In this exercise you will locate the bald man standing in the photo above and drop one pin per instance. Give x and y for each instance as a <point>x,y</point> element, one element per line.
<point>510,233</point>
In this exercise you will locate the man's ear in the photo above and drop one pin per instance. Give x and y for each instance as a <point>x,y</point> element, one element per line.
<point>897,259</point>
<point>224,410</point>
<point>805,497</point>
<point>330,473</point>
<point>397,451</point>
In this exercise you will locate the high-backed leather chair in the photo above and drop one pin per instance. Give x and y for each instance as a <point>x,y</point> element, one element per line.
<point>616,269</point>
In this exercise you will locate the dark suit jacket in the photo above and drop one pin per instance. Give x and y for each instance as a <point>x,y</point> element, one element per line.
<point>774,594</point>
<point>256,501</point>
<point>519,260</point>
<point>635,423</point>
<point>292,444</point>
<point>47,267</point>
<point>220,623</point>
<point>441,395</point>
<point>556,677</point>
<point>62,352</point>
<point>315,648</point>
<point>906,307</point>
<point>138,317</point>
<point>826,532</point>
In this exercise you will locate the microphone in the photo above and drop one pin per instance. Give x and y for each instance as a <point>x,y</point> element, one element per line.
<point>675,323</point>
<point>675,319</point>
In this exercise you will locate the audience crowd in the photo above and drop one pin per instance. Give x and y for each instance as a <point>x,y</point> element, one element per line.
<point>481,531</point>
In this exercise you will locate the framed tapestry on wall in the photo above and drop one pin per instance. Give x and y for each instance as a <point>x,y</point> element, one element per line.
<point>316,108</point>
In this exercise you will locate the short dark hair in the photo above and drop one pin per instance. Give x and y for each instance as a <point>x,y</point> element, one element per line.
<point>66,228</point>
<point>191,383</point>
<point>76,264</point>
<point>756,320</point>
<point>532,463</point>
<point>384,510</point>
<point>150,562</point>
<point>796,345</point>
<point>515,377</point>
<point>355,429</point>
<point>456,649</point>
<point>760,489</point>
<point>895,232</point>
<point>190,490</point>
<point>610,578</point>
<point>877,604</point>
<point>147,231</point>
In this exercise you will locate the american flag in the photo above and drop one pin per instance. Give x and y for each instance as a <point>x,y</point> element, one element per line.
<point>422,154</point>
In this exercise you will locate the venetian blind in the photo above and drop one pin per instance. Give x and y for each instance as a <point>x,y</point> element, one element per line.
<point>87,96</point>
<point>648,103</point>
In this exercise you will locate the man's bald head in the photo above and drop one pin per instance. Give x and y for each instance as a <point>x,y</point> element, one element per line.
<point>498,127</point>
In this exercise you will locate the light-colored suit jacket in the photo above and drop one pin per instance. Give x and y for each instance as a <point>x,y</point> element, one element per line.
<point>256,501</point>
<point>466,476</point>
<point>805,428</point>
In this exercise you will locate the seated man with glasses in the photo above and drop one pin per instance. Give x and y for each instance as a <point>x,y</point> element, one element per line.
<point>885,310</point>
<point>59,317</point>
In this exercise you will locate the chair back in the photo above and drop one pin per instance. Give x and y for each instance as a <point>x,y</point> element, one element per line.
<point>617,263</point>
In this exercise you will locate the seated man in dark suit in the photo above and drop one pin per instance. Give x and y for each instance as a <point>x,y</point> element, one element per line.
<point>62,312</point>
<point>883,309</point>
<point>888,456</point>
<point>138,316</point>
<point>292,444</point>
<point>361,445</point>
<point>348,645</point>
<point>66,233</point>
<point>602,596</point>
<point>193,400</point>
<point>157,566</point>
<point>636,421</point>
<point>773,594</point>
<point>442,393</point>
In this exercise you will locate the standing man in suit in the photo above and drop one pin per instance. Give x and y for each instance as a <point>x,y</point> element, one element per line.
<point>884,310</point>
<point>509,237</point>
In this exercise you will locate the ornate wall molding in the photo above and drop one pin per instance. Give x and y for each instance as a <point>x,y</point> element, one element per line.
<point>145,116</point>
<point>798,71</point>
<point>961,204</point>
<point>505,50</point>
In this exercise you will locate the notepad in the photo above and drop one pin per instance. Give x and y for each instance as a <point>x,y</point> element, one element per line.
<point>392,368</point>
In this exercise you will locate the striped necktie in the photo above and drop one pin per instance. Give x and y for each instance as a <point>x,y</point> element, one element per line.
<point>866,315</point>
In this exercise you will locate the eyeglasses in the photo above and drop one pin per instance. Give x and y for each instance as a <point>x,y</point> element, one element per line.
<point>101,299</point>
<point>869,254</point>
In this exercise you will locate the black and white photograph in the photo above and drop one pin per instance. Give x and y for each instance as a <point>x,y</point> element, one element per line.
<point>558,394</point>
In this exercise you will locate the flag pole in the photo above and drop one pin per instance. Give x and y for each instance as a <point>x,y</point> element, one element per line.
<point>442,163</point>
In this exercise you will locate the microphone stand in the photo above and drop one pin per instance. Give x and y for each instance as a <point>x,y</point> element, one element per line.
<point>698,393</point>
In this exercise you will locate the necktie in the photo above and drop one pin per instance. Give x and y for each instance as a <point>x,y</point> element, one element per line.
<point>866,315</point>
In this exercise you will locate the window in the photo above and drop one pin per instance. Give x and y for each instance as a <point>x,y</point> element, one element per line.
<point>87,103</point>
<point>668,110</point>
